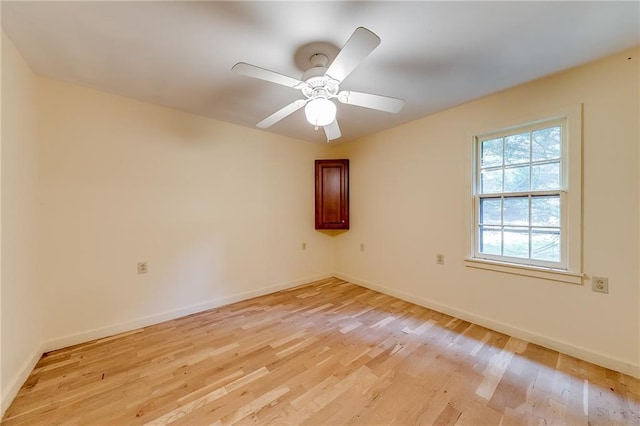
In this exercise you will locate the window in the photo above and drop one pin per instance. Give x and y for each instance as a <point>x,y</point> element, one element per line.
<point>525,212</point>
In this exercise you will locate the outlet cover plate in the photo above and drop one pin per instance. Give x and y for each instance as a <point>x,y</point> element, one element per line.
<point>600,284</point>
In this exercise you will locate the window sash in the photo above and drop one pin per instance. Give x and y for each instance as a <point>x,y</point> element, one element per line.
<point>529,228</point>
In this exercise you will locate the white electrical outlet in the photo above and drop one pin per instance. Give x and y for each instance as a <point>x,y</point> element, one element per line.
<point>142,267</point>
<point>440,259</point>
<point>600,284</point>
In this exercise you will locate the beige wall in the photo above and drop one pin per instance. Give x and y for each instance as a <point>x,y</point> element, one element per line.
<point>92,183</point>
<point>219,212</point>
<point>410,191</point>
<point>20,315</point>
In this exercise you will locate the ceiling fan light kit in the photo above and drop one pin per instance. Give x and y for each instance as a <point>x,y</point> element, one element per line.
<point>321,83</point>
<point>320,111</point>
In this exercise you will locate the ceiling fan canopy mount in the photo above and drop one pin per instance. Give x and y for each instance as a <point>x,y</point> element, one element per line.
<point>320,83</point>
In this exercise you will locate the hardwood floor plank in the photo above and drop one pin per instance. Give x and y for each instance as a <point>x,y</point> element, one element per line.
<point>329,352</point>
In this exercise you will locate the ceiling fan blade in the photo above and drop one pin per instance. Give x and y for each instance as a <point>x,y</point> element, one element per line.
<point>367,100</point>
<point>263,74</point>
<point>281,113</point>
<point>332,130</point>
<point>360,44</point>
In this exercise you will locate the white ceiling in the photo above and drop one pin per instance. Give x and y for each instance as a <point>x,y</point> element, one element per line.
<point>433,54</point>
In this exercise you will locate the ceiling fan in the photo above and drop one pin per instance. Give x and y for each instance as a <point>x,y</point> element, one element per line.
<point>321,83</point>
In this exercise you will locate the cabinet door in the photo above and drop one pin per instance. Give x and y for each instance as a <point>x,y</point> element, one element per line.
<point>332,194</point>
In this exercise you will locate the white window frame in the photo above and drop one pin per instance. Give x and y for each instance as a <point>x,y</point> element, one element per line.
<point>569,269</point>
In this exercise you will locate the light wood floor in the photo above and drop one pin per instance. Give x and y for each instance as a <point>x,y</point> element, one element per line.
<point>326,353</point>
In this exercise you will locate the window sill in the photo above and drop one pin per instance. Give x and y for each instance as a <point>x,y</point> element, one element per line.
<point>528,271</point>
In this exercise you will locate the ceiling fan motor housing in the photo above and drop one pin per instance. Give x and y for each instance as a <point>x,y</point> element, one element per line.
<point>318,84</point>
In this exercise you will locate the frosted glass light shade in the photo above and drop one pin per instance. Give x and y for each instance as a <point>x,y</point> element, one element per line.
<point>320,111</point>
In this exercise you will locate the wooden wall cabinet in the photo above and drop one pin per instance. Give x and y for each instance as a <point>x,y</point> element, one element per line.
<point>332,194</point>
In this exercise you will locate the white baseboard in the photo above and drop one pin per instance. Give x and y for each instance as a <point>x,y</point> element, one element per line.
<point>16,382</point>
<point>563,347</point>
<point>99,333</point>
